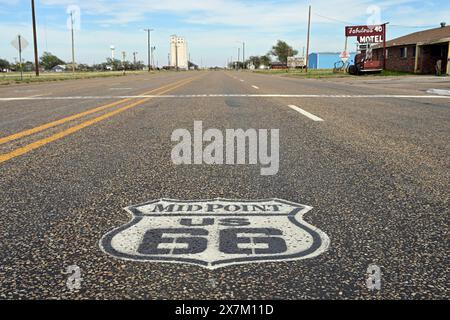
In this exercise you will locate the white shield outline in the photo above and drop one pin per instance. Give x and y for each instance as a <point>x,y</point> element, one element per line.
<point>320,244</point>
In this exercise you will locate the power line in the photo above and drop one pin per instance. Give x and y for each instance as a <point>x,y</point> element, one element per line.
<point>391,25</point>
<point>333,19</point>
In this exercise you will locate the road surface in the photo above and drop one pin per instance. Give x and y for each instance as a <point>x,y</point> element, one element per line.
<point>375,170</point>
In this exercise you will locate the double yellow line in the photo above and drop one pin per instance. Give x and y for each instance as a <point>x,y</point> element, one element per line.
<point>37,144</point>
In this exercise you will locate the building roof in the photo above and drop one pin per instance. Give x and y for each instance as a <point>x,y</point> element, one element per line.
<point>431,36</point>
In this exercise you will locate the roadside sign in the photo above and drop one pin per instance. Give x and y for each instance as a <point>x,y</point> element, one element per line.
<point>344,56</point>
<point>371,39</point>
<point>366,31</point>
<point>20,43</point>
<point>296,62</point>
<point>216,233</point>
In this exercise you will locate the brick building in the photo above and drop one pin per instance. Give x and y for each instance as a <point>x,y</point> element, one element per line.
<point>418,52</point>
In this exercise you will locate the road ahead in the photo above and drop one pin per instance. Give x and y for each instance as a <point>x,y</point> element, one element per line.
<point>375,170</point>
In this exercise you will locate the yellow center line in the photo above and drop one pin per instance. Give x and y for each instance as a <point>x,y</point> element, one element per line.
<point>37,144</point>
<point>74,117</point>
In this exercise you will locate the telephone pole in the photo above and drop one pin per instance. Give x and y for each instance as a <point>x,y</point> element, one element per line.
<point>307,42</point>
<point>36,54</point>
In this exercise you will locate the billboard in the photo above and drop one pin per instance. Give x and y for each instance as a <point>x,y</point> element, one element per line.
<point>296,62</point>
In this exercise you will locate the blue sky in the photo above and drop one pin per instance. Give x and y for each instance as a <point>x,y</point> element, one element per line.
<point>213,28</point>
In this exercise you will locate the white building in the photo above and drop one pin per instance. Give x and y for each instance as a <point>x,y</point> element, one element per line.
<point>178,52</point>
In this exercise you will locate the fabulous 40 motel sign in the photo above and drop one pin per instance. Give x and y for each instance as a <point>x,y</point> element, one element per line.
<point>368,35</point>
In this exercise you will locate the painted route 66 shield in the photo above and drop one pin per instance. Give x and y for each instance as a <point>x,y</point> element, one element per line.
<point>216,233</point>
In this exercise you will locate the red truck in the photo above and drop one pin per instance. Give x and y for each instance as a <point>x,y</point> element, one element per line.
<point>365,64</point>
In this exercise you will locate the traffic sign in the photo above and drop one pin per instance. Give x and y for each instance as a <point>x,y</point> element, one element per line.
<point>344,56</point>
<point>20,43</point>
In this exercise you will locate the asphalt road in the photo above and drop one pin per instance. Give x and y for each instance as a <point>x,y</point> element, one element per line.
<point>376,171</point>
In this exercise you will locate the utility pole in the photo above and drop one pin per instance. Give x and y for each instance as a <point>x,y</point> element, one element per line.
<point>36,54</point>
<point>307,42</point>
<point>73,43</point>
<point>149,44</point>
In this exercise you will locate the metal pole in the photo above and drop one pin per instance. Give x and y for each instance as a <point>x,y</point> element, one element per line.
<point>243,55</point>
<point>149,46</point>
<point>176,54</point>
<point>73,43</point>
<point>307,42</point>
<point>153,57</point>
<point>239,58</point>
<point>36,55</point>
<point>384,46</point>
<point>20,57</point>
<point>123,62</point>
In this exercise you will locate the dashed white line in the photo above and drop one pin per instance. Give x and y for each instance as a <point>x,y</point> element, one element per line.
<point>306,113</point>
<point>439,92</point>
<point>241,80</point>
<point>257,88</point>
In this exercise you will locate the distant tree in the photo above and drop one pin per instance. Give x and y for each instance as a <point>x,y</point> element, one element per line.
<point>49,61</point>
<point>282,51</point>
<point>84,67</point>
<point>265,60</point>
<point>4,64</point>
<point>254,60</point>
<point>114,64</point>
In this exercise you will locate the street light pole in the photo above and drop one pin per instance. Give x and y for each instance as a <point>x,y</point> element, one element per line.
<point>73,43</point>
<point>134,59</point>
<point>36,55</point>
<point>243,55</point>
<point>149,43</point>
<point>239,58</point>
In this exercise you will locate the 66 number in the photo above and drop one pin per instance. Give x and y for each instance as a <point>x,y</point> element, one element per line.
<point>191,239</point>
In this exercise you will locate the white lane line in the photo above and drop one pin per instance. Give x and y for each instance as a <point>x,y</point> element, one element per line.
<point>108,97</point>
<point>241,80</point>
<point>257,88</point>
<point>439,92</point>
<point>306,113</point>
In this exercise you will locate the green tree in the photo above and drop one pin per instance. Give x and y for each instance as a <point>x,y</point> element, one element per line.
<point>4,64</point>
<point>265,60</point>
<point>254,60</point>
<point>49,61</point>
<point>282,51</point>
<point>114,64</point>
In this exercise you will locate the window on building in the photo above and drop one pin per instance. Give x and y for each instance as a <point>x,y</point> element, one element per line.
<point>387,53</point>
<point>414,49</point>
<point>404,52</point>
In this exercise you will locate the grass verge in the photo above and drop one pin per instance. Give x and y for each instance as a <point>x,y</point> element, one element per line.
<point>14,78</point>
